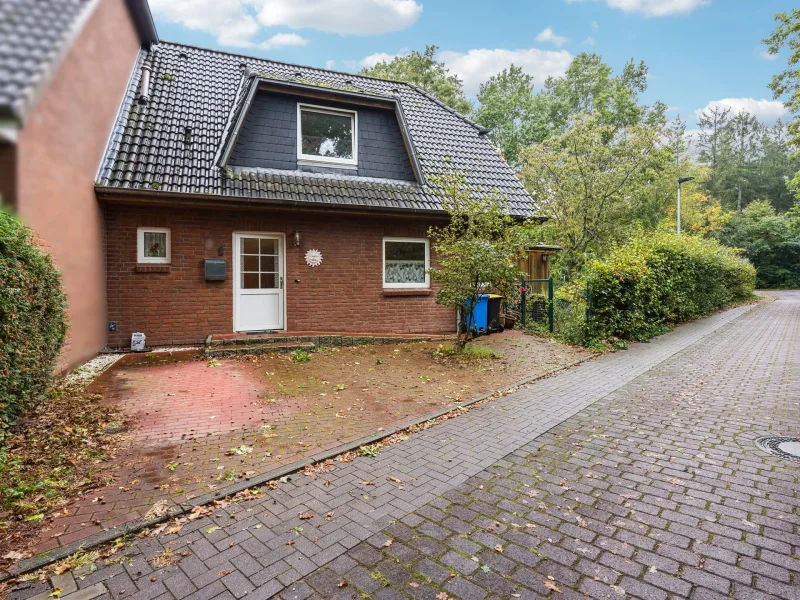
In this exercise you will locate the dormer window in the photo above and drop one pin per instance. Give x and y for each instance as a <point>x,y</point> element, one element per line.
<point>327,135</point>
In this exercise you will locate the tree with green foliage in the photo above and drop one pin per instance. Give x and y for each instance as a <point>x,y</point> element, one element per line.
<point>423,70</point>
<point>32,320</point>
<point>589,86</point>
<point>477,251</point>
<point>770,240</point>
<point>519,118</point>
<point>506,105</point>
<point>712,123</point>
<point>786,84</point>
<point>590,180</point>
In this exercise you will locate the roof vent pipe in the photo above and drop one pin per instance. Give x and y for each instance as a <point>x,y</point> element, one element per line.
<point>144,86</point>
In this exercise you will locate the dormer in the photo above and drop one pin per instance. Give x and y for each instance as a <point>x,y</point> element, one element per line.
<point>303,127</point>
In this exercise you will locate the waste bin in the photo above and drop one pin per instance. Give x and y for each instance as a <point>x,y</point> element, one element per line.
<point>485,317</point>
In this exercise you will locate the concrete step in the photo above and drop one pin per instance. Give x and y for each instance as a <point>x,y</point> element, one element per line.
<point>261,347</point>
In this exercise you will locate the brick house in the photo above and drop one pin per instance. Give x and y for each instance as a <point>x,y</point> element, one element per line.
<point>242,195</point>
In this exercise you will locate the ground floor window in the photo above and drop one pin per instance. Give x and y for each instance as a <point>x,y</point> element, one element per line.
<point>406,262</point>
<point>153,245</point>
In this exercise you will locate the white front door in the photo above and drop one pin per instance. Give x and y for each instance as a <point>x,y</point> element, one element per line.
<point>258,298</point>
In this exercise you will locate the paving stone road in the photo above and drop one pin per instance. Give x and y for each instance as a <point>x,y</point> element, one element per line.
<point>634,475</point>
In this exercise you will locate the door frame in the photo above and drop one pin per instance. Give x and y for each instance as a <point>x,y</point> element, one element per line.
<point>237,258</point>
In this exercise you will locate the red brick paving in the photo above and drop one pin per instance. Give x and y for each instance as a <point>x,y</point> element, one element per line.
<point>190,416</point>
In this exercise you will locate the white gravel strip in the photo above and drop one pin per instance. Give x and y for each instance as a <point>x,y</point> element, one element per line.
<point>175,349</point>
<point>88,371</point>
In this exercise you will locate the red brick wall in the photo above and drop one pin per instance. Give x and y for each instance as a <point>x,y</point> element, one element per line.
<point>344,294</point>
<point>59,150</point>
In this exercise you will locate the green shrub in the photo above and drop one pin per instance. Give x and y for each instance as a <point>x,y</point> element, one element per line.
<point>658,279</point>
<point>32,320</point>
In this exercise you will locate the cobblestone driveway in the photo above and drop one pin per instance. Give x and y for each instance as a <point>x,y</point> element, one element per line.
<point>633,476</point>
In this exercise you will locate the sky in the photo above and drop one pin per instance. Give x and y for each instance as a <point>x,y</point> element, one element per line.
<point>699,52</point>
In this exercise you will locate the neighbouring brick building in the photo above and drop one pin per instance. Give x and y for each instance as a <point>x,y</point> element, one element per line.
<point>64,67</point>
<point>238,194</point>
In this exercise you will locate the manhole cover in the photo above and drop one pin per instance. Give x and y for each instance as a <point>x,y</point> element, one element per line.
<point>785,447</point>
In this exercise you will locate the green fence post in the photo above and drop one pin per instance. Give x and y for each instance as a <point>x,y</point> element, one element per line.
<point>550,307</point>
<point>523,304</point>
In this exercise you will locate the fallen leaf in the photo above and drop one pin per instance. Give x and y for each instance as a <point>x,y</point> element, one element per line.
<point>224,572</point>
<point>552,586</point>
<point>306,515</point>
<point>14,555</point>
<point>387,543</point>
<point>213,529</point>
<point>442,596</point>
<point>413,584</point>
<point>499,548</point>
<point>55,593</point>
<point>367,483</point>
<point>342,583</point>
<point>326,483</point>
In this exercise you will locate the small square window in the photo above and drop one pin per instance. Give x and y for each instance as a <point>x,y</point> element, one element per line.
<point>406,262</point>
<point>327,135</point>
<point>153,245</point>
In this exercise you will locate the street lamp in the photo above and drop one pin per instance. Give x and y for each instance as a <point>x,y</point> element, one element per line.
<point>680,181</point>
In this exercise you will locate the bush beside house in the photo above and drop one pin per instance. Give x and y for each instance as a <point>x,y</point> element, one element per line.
<point>32,319</point>
<point>643,287</point>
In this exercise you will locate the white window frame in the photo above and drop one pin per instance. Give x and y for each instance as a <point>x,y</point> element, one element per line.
<point>331,160</point>
<point>408,286</point>
<point>141,258</point>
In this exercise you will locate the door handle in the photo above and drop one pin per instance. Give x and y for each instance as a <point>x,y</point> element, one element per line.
<point>281,283</point>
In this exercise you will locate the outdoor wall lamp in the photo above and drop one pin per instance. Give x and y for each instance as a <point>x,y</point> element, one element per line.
<point>296,238</point>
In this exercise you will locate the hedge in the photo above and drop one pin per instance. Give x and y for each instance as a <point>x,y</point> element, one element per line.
<point>656,280</point>
<point>32,320</point>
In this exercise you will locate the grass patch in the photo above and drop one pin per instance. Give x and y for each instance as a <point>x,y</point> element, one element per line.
<point>300,356</point>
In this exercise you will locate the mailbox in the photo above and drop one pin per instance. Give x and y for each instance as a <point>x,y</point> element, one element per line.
<point>216,269</point>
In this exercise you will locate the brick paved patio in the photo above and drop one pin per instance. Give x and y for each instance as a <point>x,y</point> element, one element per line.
<point>189,416</point>
<point>634,475</point>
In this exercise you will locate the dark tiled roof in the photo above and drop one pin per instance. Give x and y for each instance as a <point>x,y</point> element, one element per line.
<point>202,89</point>
<point>33,35</point>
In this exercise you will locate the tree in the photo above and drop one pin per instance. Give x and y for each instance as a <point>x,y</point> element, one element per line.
<point>506,107</point>
<point>712,123</point>
<point>786,85</point>
<point>423,70</point>
<point>588,181</point>
<point>738,168</point>
<point>590,87</point>
<point>477,251</point>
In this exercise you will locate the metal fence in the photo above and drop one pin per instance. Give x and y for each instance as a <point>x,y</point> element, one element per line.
<point>536,301</point>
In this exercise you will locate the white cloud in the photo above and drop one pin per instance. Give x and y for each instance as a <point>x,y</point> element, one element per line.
<point>330,64</point>
<point>239,23</point>
<point>767,56</point>
<point>379,57</point>
<point>767,111</point>
<point>595,26</point>
<point>654,8</point>
<point>228,20</point>
<point>548,35</point>
<point>345,17</point>
<point>476,66</point>
<point>279,40</point>
<point>589,41</point>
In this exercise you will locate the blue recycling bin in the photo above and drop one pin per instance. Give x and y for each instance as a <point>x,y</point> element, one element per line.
<point>485,317</point>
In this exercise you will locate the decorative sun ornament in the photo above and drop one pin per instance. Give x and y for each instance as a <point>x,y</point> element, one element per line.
<point>313,258</point>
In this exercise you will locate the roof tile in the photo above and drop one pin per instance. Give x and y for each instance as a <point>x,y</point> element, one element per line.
<point>202,89</point>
